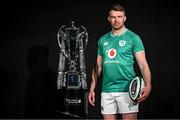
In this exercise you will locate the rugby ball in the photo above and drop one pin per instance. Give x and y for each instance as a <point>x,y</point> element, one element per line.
<point>136,87</point>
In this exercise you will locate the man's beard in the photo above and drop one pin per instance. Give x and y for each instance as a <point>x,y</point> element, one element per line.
<point>117,27</point>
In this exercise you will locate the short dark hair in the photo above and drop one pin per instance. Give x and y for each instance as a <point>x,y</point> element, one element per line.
<point>117,7</point>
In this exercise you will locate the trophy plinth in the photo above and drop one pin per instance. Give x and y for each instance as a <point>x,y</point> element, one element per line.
<point>71,78</point>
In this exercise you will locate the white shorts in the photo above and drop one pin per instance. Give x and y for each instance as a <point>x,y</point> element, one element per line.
<point>117,102</point>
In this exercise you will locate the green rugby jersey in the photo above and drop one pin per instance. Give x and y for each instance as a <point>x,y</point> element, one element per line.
<point>118,59</point>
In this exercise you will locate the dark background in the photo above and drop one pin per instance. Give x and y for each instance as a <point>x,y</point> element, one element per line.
<point>29,53</point>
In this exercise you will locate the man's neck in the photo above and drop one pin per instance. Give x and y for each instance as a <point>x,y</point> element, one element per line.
<point>119,31</point>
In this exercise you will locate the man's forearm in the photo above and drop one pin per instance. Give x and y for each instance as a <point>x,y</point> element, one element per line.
<point>93,80</point>
<point>94,77</point>
<point>146,74</point>
<point>96,73</point>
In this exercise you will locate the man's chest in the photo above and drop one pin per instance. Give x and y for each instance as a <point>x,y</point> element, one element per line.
<point>115,47</point>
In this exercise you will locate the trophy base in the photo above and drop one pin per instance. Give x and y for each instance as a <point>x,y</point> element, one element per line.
<point>75,103</point>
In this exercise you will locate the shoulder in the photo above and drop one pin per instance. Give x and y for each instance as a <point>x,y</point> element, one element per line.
<point>133,37</point>
<point>104,37</point>
<point>132,34</point>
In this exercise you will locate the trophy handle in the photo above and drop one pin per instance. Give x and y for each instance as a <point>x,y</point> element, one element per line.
<point>61,42</point>
<point>83,40</point>
<point>84,34</point>
<point>60,34</point>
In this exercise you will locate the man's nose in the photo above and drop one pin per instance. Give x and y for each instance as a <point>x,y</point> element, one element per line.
<point>116,19</point>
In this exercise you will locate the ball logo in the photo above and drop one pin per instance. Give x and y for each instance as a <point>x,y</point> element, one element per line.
<point>112,53</point>
<point>122,43</point>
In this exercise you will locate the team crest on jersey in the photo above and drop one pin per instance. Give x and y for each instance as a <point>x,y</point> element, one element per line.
<point>112,53</point>
<point>122,43</point>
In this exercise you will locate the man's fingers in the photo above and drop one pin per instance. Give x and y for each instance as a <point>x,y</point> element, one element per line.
<point>91,100</point>
<point>142,98</point>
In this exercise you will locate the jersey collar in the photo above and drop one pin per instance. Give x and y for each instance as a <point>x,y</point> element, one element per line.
<point>113,35</point>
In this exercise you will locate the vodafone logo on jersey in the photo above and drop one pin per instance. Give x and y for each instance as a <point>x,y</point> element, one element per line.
<point>112,53</point>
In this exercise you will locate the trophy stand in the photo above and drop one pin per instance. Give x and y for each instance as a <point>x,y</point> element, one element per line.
<point>71,80</point>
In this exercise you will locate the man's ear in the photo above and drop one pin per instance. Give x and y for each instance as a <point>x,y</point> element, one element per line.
<point>124,18</point>
<point>108,19</point>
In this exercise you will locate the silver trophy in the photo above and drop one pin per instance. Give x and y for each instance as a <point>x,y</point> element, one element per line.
<point>71,78</point>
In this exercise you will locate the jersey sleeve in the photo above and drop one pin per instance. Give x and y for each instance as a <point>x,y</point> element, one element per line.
<point>137,44</point>
<point>99,52</point>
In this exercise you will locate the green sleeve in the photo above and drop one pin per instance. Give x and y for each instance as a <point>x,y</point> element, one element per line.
<point>100,53</point>
<point>137,44</point>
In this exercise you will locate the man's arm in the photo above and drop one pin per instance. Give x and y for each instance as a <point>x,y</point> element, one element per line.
<point>95,74</point>
<point>146,74</point>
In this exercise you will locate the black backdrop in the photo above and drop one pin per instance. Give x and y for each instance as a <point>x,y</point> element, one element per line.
<point>29,53</point>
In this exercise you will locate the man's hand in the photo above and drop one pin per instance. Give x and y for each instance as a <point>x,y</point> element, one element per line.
<point>145,93</point>
<point>91,97</point>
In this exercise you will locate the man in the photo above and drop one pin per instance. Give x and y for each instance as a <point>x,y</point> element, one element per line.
<point>116,52</point>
